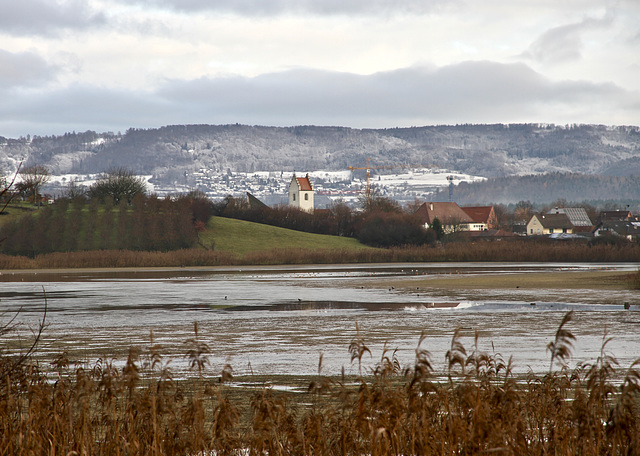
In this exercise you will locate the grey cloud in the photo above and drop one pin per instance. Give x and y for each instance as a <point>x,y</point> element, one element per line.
<point>323,7</point>
<point>82,105</point>
<point>564,43</point>
<point>24,69</point>
<point>469,92</point>
<point>44,17</point>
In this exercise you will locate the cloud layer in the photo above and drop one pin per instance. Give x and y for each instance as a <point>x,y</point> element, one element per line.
<point>276,7</point>
<point>108,65</point>
<point>44,17</point>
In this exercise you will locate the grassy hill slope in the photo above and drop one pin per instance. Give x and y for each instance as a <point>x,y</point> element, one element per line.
<point>15,210</point>
<point>240,237</point>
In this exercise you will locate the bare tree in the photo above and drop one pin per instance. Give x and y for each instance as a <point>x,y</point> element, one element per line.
<point>8,364</point>
<point>75,191</point>
<point>6,195</point>
<point>33,178</point>
<point>118,184</point>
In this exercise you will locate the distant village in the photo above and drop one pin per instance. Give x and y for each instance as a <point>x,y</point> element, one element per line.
<point>482,222</point>
<point>329,186</point>
<point>318,190</point>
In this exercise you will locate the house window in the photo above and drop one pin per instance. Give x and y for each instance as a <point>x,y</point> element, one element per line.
<point>294,196</point>
<point>306,197</point>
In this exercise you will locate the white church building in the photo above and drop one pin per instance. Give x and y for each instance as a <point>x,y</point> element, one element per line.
<point>301,193</point>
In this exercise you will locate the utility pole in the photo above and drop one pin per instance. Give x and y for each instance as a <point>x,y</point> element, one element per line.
<point>450,179</point>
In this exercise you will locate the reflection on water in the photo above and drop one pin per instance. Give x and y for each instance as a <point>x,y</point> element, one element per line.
<point>276,320</point>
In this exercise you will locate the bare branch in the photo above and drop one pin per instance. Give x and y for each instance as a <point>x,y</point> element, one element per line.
<point>20,360</point>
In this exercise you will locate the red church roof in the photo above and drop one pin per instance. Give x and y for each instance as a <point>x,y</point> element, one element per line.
<point>304,183</point>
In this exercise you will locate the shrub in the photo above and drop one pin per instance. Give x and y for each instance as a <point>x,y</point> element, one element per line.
<point>389,229</point>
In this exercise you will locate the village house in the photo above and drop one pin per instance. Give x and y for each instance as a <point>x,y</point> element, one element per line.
<point>628,229</point>
<point>454,218</point>
<point>577,216</point>
<point>484,217</point>
<point>301,193</point>
<point>615,216</point>
<point>543,224</point>
<point>560,220</point>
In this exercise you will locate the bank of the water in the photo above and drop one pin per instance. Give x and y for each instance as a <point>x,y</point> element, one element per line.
<point>519,250</point>
<point>587,279</point>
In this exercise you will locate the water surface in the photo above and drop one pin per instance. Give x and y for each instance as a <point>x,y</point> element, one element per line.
<point>278,320</point>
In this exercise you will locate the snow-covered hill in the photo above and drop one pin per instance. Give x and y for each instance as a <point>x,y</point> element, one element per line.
<point>174,155</point>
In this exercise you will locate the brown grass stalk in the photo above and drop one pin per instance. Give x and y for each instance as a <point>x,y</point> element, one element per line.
<point>139,409</point>
<point>517,250</point>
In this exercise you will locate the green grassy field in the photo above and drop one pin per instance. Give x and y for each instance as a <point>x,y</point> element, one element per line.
<point>15,210</point>
<point>241,237</point>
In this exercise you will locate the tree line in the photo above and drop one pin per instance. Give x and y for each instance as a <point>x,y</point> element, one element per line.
<point>113,214</point>
<point>148,223</point>
<point>382,222</point>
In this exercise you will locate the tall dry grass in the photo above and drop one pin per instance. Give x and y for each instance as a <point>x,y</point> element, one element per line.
<point>472,405</point>
<point>510,251</point>
<point>635,281</point>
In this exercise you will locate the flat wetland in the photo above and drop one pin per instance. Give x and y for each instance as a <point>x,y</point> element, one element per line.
<point>279,320</point>
<point>145,355</point>
<point>563,286</point>
<point>596,280</point>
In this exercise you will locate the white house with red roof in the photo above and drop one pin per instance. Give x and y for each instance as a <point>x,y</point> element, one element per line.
<point>301,193</point>
<point>455,218</point>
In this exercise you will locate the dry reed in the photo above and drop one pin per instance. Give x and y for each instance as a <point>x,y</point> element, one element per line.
<point>479,408</point>
<point>508,251</point>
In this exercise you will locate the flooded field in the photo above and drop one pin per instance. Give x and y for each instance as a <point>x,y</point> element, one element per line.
<point>279,320</point>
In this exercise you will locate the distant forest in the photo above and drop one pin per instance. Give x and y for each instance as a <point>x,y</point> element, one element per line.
<point>482,150</point>
<point>546,188</point>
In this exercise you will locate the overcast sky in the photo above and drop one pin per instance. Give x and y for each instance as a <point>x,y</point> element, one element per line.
<point>108,65</point>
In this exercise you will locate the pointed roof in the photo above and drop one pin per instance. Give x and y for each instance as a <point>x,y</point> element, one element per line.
<point>479,214</point>
<point>304,184</point>
<point>621,227</point>
<point>447,213</point>
<point>577,215</point>
<point>255,203</point>
<point>615,215</point>
<point>555,221</point>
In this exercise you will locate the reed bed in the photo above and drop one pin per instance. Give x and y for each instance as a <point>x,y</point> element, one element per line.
<point>472,405</point>
<point>635,281</point>
<point>508,251</point>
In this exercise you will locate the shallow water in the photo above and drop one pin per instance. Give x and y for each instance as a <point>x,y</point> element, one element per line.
<point>275,320</point>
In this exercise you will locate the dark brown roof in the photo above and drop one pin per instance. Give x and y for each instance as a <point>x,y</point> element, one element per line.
<point>555,221</point>
<point>615,215</point>
<point>623,228</point>
<point>479,214</point>
<point>447,213</point>
<point>255,203</point>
